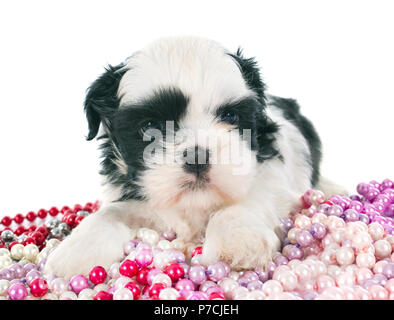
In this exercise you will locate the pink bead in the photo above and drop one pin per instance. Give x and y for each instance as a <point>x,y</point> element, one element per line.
<point>144,257</point>
<point>362,293</point>
<point>185,284</point>
<point>78,283</point>
<point>323,282</point>
<point>378,292</point>
<point>272,286</point>
<point>17,291</point>
<point>349,293</point>
<point>333,293</point>
<point>362,275</point>
<point>390,285</point>
<point>378,267</point>
<point>345,279</point>
<point>197,274</point>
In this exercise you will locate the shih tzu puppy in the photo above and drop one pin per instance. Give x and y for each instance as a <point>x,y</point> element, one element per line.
<point>192,143</point>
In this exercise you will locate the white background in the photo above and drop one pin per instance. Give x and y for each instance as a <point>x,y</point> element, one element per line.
<point>335,57</point>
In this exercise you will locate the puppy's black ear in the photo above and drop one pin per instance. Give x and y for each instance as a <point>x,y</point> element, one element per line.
<point>251,73</point>
<point>101,98</point>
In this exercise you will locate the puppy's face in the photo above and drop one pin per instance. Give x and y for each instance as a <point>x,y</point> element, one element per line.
<point>184,124</point>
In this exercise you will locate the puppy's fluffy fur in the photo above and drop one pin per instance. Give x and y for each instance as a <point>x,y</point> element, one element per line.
<point>200,87</point>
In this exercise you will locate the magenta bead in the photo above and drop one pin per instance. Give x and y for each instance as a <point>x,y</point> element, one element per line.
<point>144,257</point>
<point>79,283</point>
<point>318,230</point>
<point>17,291</point>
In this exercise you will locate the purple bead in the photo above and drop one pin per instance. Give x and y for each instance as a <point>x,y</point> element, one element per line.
<point>368,283</point>
<point>304,238</point>
<point>17,291</point>
<point>169,235</point>
<point>7,274</point>
<point>41,264</point>
<point>310,295</point>
<point>323,208</point>
<point>351,215</point>
<point>387,183</point>
<point>380,279</point>
<point>18,270</point>
<point>364,218</point>
<point>375,184</point>
<point>363,188</point>
<point>197,274</point>
<point>177,256</point>
<point>263,275</point>
<point>335,210</point>
<point>390,193</point>
<point>281,260</point>
<point>216,271</point>
<point>29,266</point>
<point>388,271</point>
<point>248,277</point>
<point>294,253</point>
<point>255,285</point>
<point>390,211</point>
<point>144,257</point>
<point>356,205</point>
<point>355,197</point>
<point>197,295</point>
<point>271,266</point>
<point>79,283</point>
<point>31,275</point>
<point>318,230</point>
<point>185,293</point>
<point>372,193</point>
<point>286,224</point>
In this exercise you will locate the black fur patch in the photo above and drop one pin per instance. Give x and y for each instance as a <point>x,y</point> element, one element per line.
<point>251,116</point>
<point>291,111</point>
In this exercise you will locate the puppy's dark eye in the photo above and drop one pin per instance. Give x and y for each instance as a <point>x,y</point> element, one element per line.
<point>229,117</point>
<point>147,129</point>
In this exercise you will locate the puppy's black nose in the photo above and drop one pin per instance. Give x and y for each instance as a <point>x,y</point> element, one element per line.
<point>197,160</point>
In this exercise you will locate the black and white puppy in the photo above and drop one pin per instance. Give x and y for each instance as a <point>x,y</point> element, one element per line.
<point>191,143</point>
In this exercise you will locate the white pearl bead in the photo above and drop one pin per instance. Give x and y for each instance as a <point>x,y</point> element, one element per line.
<point>5,261</point>
<point>17,251</point>
<point>4,252</point>
<point>345,256</point>
<point>101,287</point>
<point>141,231</point>
<point>255,295</point>
<point>4,285</point>
<point>178,244</point>
<point>121,282</point>
<point>164,244</point>
<point>68,295</point>
<point>151,237</point>
<point>114,270</point>
<point>52,243</point>
<point>169,294</point>
<point>123,294</point>
<point>161,260</point>
<point>49,296</point>
<point>30,252</point>
<point>131,255</point>
<point>162,278</point>
<point>86,294</point>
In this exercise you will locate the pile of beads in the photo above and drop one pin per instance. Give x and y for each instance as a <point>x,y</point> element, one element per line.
<point>336,248</point>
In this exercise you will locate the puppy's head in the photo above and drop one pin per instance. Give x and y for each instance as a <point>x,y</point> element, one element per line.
<point>183,124</point>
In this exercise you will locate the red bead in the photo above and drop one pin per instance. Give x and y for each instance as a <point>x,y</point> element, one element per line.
<point>53,211</point>
<point>42,213</point>
<point>6,221</point>
<point>181,298</point>
<point>31,216</point>
<point>216,295</point>
<point>175,271</point>
<point>38,237</point>
<point>77,208</point>
<point>19,218</point>
<point>38,287</point>
<point>64,209</point>
<point>102,295</point>
<point>142,276</point>
<point>128,268</point>
<point>329,202</point>
<point>29,240</point>
<point>134,288</point>
<point>20,230</point>
<point>97,275</point>
<point>78,220</point>
<point>155,289</point>
<point>12,244</point>
<point>197,250</point>
<point>2,245</point>
<point>70,220</point>
<point>32,228</point>
<point>43,229</point>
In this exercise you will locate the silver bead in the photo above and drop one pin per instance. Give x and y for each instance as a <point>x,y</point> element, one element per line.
<point>82,213</point>
<point>22,238</point>
<point>7,236</point>
<point>52,223</point>
<point>63,227</point>
<point>56,233</point>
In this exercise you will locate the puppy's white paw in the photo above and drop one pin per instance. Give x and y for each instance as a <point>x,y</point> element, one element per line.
<point>242,245</point>
<point>94,242</point>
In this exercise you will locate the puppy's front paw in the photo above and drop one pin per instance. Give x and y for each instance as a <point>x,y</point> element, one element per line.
<point>238,241</point>
<point>89,245</point>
